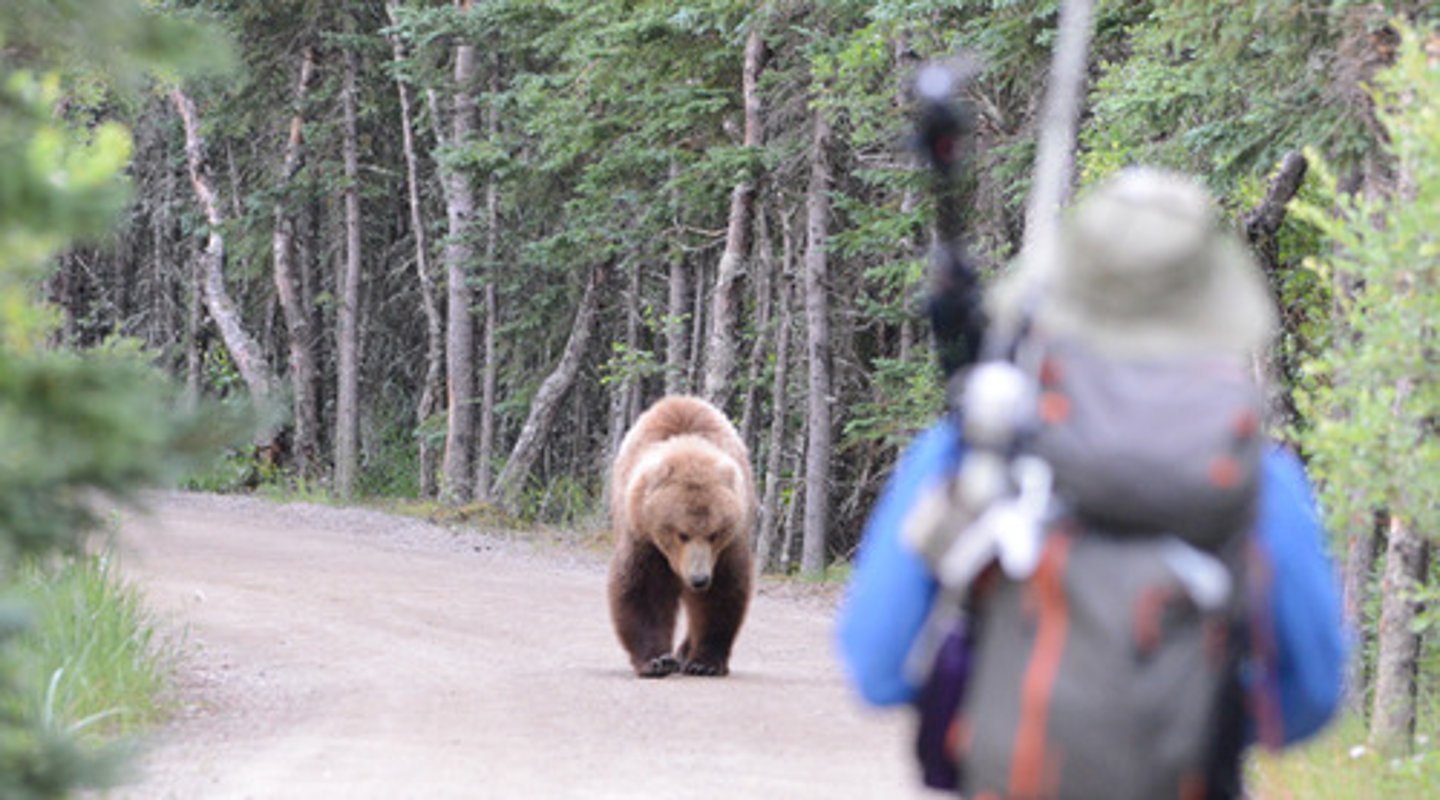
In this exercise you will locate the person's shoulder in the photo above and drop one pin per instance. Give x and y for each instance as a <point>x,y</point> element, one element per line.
<point>1282,461</point>
<point>933,452</point>
<point>934,449</point>
<point>1283,474</point>
<point>1289,509</point>
<point>940,439</point>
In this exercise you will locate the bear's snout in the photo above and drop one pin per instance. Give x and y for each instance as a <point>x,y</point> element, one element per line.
<point>697,565</point>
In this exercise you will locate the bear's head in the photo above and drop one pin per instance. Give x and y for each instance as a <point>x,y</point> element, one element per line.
<point>687,498</point>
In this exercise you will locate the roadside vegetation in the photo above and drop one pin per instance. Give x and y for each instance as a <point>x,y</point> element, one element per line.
<point>100,655</point>
<point>80,428</point>
<point>442,253</point>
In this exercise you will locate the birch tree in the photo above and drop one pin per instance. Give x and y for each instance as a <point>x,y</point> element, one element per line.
<point>720,352</point>
<point>430,386</point>
<point>347,345</point>
<point>287,291</point>
<point>456,479</point>
<point>249,359</point>
<point>511,481</point>
<point>817,350</point>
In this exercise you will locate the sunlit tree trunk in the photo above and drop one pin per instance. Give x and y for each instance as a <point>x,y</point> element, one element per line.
<point>244,351</point>
<point>764,294</point>
<point>623,392</point>
<point>769,521</point>
<point>1060,115</point>
<point>194,320</point>
<point>1358,575</point>
<point>347,371</point>
<point>287,290</point>
<point>430,386</point>
<point>678,295</point>
<point>794,518</point>
<point>1392,719</point>
<point>817,349</point>
<point>511,481</point>
<point>490,357</point>
<point>456,481</point>
<point>693,373</point>
<point>724,300</point>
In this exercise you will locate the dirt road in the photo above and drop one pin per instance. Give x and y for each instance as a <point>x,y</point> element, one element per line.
<point>347,653</point>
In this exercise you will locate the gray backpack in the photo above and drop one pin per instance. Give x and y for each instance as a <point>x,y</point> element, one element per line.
<point>1101,577</point>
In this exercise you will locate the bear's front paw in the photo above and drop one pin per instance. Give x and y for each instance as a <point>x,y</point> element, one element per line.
<point>658,667</point>
<point>704,669</point>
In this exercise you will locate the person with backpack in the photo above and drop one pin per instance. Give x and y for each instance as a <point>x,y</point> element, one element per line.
<point>1096,578</point>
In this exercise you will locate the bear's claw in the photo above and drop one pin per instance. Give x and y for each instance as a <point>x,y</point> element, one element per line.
<point>704,670</point>
<point>658,667</point>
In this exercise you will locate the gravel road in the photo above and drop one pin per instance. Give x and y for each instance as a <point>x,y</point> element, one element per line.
<point>345,653</point>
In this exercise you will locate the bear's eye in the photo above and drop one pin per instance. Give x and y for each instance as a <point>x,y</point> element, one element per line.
<point>684,537</point>
<point>712,537</point>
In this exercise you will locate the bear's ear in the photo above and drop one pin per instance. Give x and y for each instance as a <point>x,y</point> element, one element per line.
<point>660,473</point>
<point>730,473</point>
<point>651,474</point>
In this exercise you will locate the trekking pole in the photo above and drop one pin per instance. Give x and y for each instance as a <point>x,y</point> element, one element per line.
<point>1055,148</point>
<point>945,122</point>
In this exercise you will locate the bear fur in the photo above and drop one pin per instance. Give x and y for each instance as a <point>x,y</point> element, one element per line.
<point>682,506</point>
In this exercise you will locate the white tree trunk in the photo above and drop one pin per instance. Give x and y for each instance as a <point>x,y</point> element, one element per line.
<point>675,345</point>
<point>456,480</point>
<point>1392,719</point>
<point>244,351</point>
<point>430,386</point>
<point>1357,577</point>
<point>775,449</point>
<point>511,480</point>
<point>764,312</point>
<point>297,321</point>
<point>347,344</point>
<point>1055,153</point>
<point>623,392</point>
<point>490,357</point>
<point>817,341</point>
<point>724,300</point>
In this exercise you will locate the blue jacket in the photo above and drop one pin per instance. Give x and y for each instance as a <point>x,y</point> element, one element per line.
<point>891,589</point>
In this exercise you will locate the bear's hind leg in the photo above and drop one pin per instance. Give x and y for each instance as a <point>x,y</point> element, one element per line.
<point>644,599</point>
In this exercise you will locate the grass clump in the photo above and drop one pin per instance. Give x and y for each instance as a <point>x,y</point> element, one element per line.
<point>1338,765</point>
<point>92,660</point>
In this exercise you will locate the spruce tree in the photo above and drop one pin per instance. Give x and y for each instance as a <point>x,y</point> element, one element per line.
<point>74,427</point>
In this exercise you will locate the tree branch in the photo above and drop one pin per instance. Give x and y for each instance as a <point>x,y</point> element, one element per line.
<point>1265,219</point>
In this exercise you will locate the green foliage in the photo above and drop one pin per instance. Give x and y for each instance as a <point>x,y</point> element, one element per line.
<point>628,364</point>
<point>126,41</point>
<point>1373,396</point>
<point>230,470</point>
<point>908,396</point>
<point>104,420</point>
<point>59,184</point>
<point>562,500</point>
<point>391,466</point>
<point>1224,96</point>
<point>73,427</point>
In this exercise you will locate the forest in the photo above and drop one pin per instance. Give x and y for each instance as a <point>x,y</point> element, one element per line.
<point>451,250</point>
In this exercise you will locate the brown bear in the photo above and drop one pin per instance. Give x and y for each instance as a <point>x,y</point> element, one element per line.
<point>682,506</point>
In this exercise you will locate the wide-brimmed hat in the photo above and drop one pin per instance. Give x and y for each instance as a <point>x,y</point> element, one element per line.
<point>1143,267</point>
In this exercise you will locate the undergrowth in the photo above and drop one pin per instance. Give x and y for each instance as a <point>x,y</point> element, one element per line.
<point>93,660</point>
<point>1339,766</point>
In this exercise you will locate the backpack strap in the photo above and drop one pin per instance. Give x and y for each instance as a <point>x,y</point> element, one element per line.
<point>1224,769</point>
